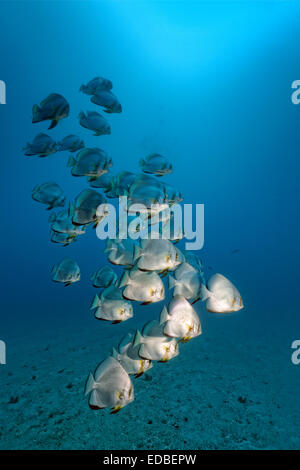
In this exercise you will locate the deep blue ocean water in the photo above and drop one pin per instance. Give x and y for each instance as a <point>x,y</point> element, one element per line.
<point>208,84</point>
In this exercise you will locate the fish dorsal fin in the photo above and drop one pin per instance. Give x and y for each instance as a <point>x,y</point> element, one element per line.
<point>125,278</point>
<point>164,316</point>
<point>96,302</point>
<point>138,338</point>
<point>104,366</point>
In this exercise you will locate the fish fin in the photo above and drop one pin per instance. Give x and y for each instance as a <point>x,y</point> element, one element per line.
<point>138,339</point>
<point>115,322</point>
<point>172,282</point>
<point>114,353</point>
<point>95,402</point>
<point>52,217</point>
<point>53,124</point>
<point>90,384</point>
<point>164,316</point>
<point>125,278</point>
<point>196,299</point>
<point>71,161</point>
<point>96,302</point>
<point>36,114</point>
<point>147,302</point>
<point>67,283</point>
<point>116,409</point>
<point>137,252</point>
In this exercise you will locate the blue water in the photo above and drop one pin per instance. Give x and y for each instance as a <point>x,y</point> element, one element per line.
<point>208,84</point>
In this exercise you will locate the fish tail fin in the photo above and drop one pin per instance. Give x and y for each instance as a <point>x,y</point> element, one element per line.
<point>36,114</point>
<point>137,338</point>
<point>71,161</point>
<point>124,279</point>
<point>96,302</point>
<point>137,252</point>
<point>53,124</point>
<point>164,316</point>
<point>90,384</point>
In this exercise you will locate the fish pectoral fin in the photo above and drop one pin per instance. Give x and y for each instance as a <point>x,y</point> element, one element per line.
<point>116,321</point>
<point>147,302</point>
<point>67,284</point>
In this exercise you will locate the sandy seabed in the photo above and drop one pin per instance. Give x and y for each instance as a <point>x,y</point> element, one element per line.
<point>218,393</point>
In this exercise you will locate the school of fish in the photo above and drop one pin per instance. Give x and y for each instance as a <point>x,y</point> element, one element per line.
<point>145,263</point>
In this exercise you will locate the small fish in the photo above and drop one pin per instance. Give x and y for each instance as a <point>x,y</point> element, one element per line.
<point>156,164</point>
<point>157,255</point>
<point>96,85</point>
<point>180,320</point>
<point>186,282</point>
<point>42,146</point>
<point>127,355</point>
<point>120,251</point>
<point>221,295</point>
<point>109,387</point>
<point>85,208</point>
<point>54,108</point>
<point>154,345</point>
<point>63,238</point>
<point>94,122</point>
<point>108,100</point>
<point>112,306</point>
<point>90,162</point>
<point>71,142</point>
<point>50,194</point>
<point>66,271</point>
<point>104,277</point>
<point>145,287</point>
<point>62,223</point>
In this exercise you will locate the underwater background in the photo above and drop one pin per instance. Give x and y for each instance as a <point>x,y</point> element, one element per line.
<point>208,84</point>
